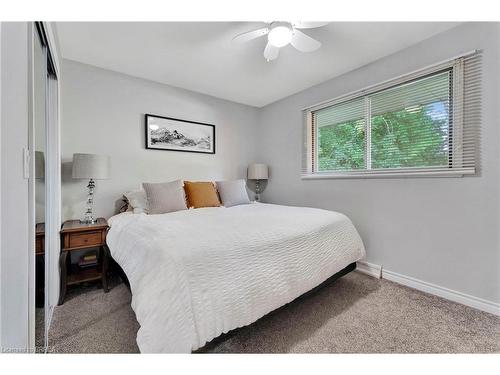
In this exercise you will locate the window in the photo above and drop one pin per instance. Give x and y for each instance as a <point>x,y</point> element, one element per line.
<point>420,124</point>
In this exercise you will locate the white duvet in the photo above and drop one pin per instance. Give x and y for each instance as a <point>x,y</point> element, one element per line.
<point>195,274</point>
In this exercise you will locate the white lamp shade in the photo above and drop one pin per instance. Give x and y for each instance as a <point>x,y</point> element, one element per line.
<point>91,166</point>
<point>258,172</point>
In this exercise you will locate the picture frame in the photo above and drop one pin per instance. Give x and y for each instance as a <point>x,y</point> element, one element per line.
<point>173,134</point>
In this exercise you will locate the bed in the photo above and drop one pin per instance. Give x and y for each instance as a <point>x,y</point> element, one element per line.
<point>199,273</point>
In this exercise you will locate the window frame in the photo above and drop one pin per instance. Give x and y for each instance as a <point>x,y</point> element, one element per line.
<point>454,167</point>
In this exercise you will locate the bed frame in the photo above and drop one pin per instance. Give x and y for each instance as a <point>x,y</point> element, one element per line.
<point>351,267</point>
<point>115,267</point>
<point>330,280</point>
<point>344,271</point>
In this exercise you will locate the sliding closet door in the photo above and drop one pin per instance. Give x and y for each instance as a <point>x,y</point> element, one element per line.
<point>23,75</point>
<point>53,185</point>
<point>45,182</point>
<point>40,75</point>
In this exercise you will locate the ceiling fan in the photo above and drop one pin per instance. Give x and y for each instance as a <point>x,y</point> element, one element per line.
<point>280,33</point>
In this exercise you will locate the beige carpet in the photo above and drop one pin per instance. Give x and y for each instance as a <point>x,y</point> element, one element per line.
<point>39,329</point>
<point>355,314</point>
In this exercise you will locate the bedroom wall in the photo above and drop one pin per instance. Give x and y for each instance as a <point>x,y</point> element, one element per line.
<point>443,231</point>
<point>103,113</point>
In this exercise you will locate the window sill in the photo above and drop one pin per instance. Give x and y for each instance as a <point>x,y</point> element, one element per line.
<point>457,172</point>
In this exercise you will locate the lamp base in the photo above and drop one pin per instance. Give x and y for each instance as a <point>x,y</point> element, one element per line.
<point>88,216</point>
<point>257,190</point>
<point>88,221</point>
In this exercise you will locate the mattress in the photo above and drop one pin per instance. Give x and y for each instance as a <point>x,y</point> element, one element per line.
<point>198,273</point>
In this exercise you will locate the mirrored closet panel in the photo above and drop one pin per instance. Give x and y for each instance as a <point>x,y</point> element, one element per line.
<point>43,72</point>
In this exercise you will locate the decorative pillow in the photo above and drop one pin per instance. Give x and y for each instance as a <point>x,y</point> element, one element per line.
<point>233,193</point>
<point>123,205</point>
<point>201,194</point>
<point>165,197</point>
<point>138,201</point>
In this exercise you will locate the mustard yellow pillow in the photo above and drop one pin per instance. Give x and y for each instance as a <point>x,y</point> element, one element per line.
<point>201,194</point>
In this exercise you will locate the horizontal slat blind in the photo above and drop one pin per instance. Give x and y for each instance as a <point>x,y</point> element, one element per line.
<point>341,136</point>
<point>425,123</point>
<point>467,113</point>
<point>410,124</point>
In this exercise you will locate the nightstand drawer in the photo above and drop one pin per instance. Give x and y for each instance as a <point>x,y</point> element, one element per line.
<point>85,239</point>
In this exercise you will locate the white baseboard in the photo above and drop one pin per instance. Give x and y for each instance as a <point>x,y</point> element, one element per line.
<point>452,295</point>
<point>369,269</point>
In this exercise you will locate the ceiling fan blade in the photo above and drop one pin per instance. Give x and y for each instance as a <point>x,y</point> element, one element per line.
<point>308,25</point>
<point>271,52</point>
<point>303,42</point>
<point>249,35</point>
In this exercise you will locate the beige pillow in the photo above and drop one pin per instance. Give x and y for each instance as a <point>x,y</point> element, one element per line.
<point>201,194</point>
<point>165,197</point>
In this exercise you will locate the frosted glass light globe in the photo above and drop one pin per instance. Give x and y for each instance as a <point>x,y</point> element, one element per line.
<point>280,36</point>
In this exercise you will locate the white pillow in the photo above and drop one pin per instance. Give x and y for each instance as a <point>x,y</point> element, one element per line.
<point>233,193</point>
<point>138,201</point>
<point>165,197</point>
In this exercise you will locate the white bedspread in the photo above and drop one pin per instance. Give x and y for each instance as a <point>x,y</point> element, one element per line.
<point>195,274</point>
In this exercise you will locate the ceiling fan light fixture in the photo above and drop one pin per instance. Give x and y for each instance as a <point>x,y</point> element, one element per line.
<point>280,36</point>
<point>281,33</point>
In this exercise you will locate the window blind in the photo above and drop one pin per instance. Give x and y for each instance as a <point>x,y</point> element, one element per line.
<point>423,123</point>
<point>340,136</point>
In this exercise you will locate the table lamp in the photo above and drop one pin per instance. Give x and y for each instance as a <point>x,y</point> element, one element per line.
<point>90,166</point>
<point>257,172</point>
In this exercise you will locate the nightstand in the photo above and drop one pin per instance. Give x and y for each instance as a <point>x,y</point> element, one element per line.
<point>76,236</point>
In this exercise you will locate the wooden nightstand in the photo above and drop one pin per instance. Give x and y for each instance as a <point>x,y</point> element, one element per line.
<point>77,236</point>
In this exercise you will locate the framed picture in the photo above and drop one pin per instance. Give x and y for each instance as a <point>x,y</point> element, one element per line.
<point>166,133</point>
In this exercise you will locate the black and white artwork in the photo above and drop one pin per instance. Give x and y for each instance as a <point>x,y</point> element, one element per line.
<point>165,133</point>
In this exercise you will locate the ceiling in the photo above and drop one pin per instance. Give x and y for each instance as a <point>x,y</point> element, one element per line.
<point>200,56</point>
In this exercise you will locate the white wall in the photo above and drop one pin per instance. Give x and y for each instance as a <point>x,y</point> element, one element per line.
<point>103,113</point>
<point>440,230</point>
<point>14,215</point>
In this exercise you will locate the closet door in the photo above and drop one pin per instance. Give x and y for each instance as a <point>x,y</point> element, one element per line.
<point>45,182</point>
<point>40,74</point>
